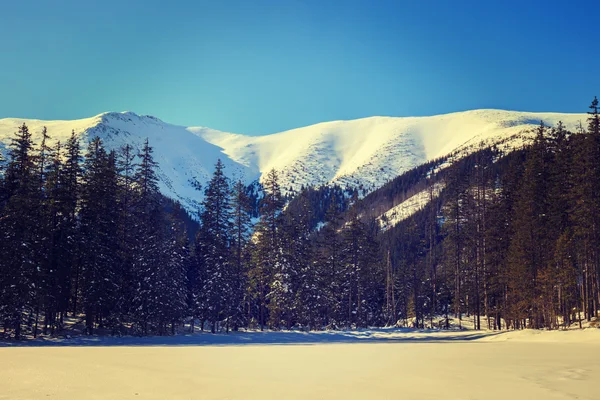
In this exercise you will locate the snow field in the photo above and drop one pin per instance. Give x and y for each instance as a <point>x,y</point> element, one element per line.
<point>378,364</point>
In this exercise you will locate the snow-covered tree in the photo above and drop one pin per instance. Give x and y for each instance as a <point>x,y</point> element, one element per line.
<point>213,249</point>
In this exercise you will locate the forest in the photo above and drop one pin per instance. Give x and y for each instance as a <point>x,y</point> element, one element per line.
<point>513,239</point>
<point>512,242</point>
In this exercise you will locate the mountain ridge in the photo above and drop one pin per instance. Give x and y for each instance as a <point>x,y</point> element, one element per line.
<point>364,153</point>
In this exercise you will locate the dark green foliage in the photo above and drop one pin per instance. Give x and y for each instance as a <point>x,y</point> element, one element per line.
<point>20,241</point>
<point>509,239</point>
<point>213,247</point>
<point>90,238</point>
<point>240,236</point>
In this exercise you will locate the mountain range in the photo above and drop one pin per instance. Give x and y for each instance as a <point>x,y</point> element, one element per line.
<point>363,153</point>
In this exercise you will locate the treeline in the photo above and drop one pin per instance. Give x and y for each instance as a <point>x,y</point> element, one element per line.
<point>280,273</point>
<point>515,238</point>
<point>88,236</point>
<point>513,241</point>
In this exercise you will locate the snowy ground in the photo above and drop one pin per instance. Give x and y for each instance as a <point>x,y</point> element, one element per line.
<point>369,364</point>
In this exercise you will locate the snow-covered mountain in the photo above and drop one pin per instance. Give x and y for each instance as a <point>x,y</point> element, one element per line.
<point>363,152</point>
<point>183,157</point>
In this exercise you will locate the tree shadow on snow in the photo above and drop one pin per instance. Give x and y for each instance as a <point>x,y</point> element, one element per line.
<point>257,338</point>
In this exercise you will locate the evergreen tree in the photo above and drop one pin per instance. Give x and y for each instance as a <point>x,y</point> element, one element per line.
<point>454,226</point>
<point>585,211</point>
<point>149,232</point>
<point>304,279</point>
<point>241,209</point>
<point>352,289</point>
<point>169,288</point>
<point>70,250</point>
<point>20,243</point>
<point>213,247</point>
<point>126,168</point>
<point>99,236</point>
<point>267,266</point>
<point>530,244</point>
<point>52,269</point>
<point>331,267</point>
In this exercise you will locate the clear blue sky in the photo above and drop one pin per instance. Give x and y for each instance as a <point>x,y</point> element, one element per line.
<point>262,66</point>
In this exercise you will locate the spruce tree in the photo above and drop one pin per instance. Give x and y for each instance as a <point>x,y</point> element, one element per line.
<point>331,267</point>
<point>530,244</point>
<point>585,211</point>
<point>267,264</point>
<point>20,242</point>
<point>99,236</point>
<point>127,229</point>
<point>50,226</point>
<point>352,288</point>
<point>454,227</point>
<point>305,286</point>
<point>148,250</point>
<point>69,240</point>
<point>240,235</point>
<point>214,246</point>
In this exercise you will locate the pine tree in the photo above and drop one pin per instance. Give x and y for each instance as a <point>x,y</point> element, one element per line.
<point>127,229</point>
<point>353,291</point>
<point>560,179</point>
<point>148,257</point>
<point>213,247</point>
<point>304,279</point>
<point>454,226</point>
<point>585,211</point>
<point>563,277</point>
<point>19,266</point>
<point>50,226</point>
<point>266,258</point>
<point>501,230</point>
<point>592,275</point>
<point>372,279</point>
<point>99,236</point>
<point>530,245</point>
<point>69,239</point>
<point>241,209</point>
<point>331,267</point>
<point>169,284</point>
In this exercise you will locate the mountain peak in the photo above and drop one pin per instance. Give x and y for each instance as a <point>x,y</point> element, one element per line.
<point>364,153</point>
<point>126,116</point>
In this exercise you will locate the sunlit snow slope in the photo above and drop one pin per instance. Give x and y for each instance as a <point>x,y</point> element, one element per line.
<point>363,153</point>
<point>371,151</point>
<point>183,157</point>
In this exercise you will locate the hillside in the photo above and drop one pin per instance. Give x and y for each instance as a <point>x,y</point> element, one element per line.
<point>364,153</point>
<point>183,157</point>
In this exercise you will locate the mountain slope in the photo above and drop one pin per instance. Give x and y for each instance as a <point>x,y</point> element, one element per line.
<point>371,151</point>
<point>183,157</point>
<point>363,153</point>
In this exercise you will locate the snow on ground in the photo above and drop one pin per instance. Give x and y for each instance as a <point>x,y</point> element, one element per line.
<point>366,364</point>
<point>409,206</point>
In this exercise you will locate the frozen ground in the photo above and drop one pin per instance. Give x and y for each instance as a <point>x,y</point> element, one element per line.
<point>369,364</point>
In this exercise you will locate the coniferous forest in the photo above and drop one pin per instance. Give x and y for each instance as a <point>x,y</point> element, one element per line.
<point>511,242</point>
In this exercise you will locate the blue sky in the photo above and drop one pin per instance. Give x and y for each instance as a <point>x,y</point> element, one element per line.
<point>262,66</point>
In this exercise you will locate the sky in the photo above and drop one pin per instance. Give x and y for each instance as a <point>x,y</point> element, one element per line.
<point>264,66</point>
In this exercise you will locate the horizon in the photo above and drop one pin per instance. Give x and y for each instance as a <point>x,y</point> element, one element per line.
<point>273,67</point>
<point>297,127</point>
